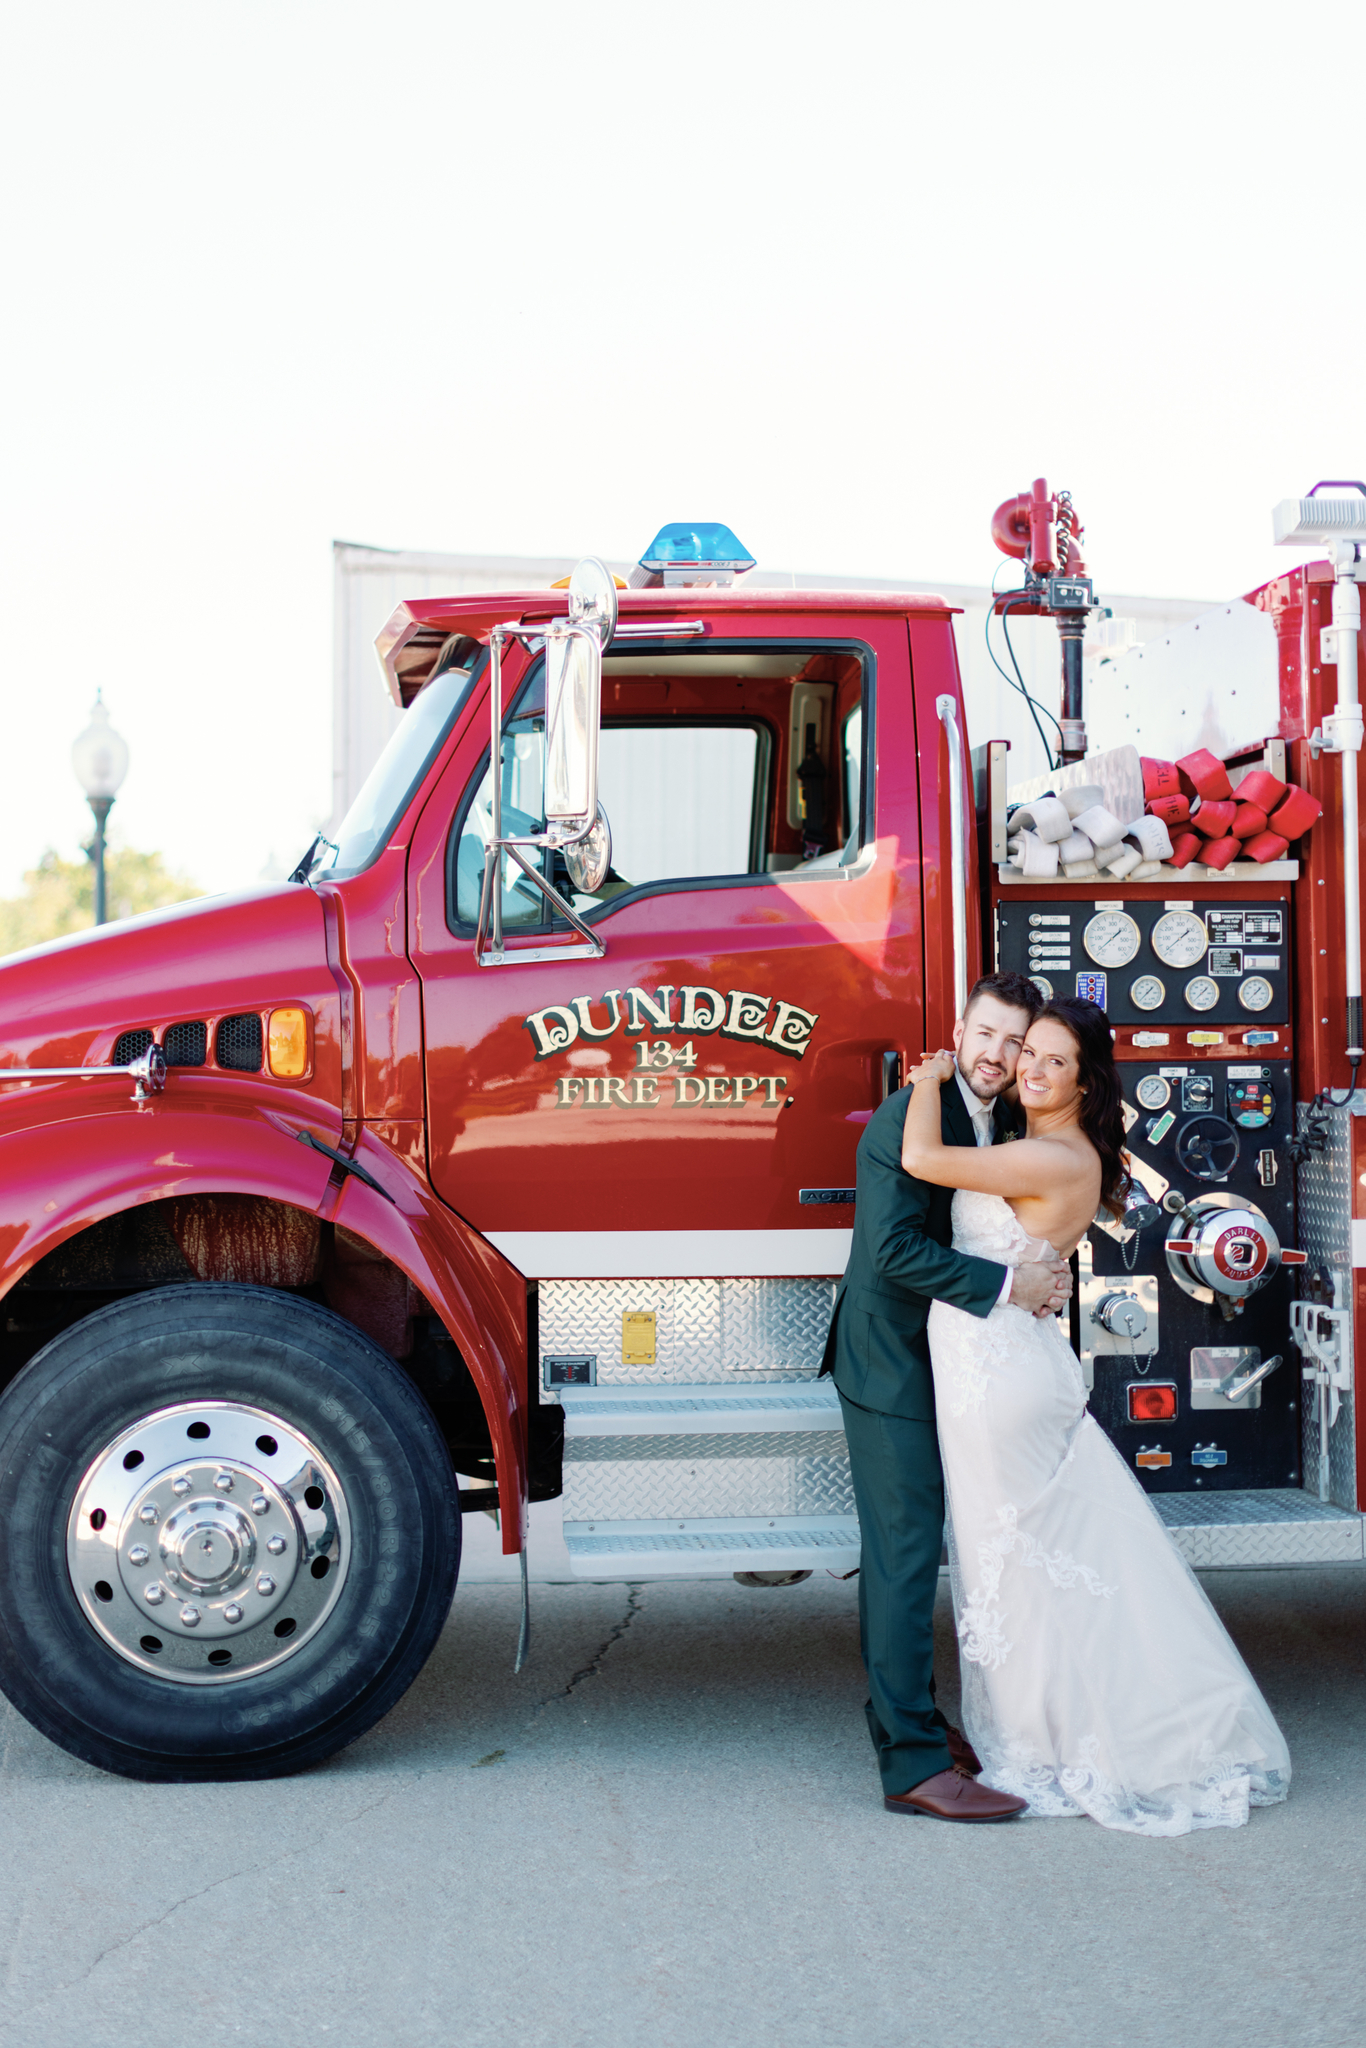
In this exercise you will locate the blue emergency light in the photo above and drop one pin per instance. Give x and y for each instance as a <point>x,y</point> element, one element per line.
<point>700,551</point>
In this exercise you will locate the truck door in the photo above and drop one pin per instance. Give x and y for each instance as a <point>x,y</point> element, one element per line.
<point>692,1100</point>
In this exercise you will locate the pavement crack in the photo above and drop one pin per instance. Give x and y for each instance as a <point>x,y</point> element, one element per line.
<point>12,2020</point>
<point>634,1605</point>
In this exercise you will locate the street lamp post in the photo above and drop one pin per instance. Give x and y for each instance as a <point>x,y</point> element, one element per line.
<point>100,759</point>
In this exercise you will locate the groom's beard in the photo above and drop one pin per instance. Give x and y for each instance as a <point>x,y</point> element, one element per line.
<point>987,1089</point>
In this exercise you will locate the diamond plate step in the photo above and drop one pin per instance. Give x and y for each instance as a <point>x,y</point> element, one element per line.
<point>1280,1526</point>
<point>691,1549</point>
<point>699,1410</point>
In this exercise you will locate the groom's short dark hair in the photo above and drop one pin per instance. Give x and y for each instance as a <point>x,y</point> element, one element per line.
<point>1015,989</point>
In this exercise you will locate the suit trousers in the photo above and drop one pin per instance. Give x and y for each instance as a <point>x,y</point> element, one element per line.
<point>899,1493</point>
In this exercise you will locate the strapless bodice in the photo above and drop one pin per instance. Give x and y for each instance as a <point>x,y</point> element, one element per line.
<point>988,1228</point>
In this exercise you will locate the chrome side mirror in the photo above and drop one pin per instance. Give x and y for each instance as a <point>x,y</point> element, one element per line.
<point>574,822</point>
<point>589,858</point>
<point>573,701</point>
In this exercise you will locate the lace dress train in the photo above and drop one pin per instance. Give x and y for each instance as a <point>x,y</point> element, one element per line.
<point>1097,1678</point>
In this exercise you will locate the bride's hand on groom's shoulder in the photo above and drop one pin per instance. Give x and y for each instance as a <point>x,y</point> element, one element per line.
<point>934,1066</point>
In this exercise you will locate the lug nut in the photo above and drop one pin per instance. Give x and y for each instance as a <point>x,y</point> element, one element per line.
<point>265,1585</point>
<point>148,1513</point>
<point>260,1506</point>
<point>154,1594</point>
<point>189,1617</point>
<point>181,1483</point>
<point>232,1613</point>
<point>139,1554</point>
<point>223,1481</point>
<point>276,1546</point>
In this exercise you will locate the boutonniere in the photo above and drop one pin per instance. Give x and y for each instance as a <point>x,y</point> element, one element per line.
<point>1009,1137</point>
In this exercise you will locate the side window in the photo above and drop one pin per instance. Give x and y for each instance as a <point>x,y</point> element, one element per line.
<point>683,799</point>
<point>695,772</point>
<point>523,773</point>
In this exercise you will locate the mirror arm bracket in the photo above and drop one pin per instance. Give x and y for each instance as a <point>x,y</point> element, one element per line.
<point>495,956</point>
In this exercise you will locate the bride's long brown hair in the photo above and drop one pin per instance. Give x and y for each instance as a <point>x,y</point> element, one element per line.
<point>1101,1116</point>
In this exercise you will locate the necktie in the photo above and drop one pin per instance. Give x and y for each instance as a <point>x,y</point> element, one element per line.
<point>981,1122</point>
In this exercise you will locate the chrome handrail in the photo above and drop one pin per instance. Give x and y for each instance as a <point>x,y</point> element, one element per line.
<point>958,851</point>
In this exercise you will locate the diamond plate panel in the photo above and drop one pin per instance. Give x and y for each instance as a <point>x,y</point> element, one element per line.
<point>706,1541</point>
<point>1272,1504</point>
<point>1279,1526</point>
<point>699,1478</point>
<point>721,1330</point>
<point>776,1327</point>
<point>1324,1198</point>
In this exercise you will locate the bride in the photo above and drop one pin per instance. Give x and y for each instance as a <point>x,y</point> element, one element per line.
<point>1097,1677</point>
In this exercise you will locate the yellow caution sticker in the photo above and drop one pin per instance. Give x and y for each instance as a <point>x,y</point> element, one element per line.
<point>638,1337</point>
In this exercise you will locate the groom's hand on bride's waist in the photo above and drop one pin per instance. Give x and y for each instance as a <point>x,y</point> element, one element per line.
<point>1042,1287</point>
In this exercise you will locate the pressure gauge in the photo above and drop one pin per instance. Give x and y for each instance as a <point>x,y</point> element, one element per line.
<point>1180,938</point>
<point>1043,985</point>
<point>1147,993</point>
<point>1111,938</point>
<point>1255,993</point>
<point>1153,1092</point>
<point>1201,992</point>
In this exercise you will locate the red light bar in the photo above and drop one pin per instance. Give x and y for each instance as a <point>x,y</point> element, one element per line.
<point>1182,1244</point>
<point>1294,1258</point>
<point>1152,1400</point>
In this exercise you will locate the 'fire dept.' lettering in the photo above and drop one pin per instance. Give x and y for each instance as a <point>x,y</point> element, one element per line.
<point>700,1013</point>
<point>641,1091</point>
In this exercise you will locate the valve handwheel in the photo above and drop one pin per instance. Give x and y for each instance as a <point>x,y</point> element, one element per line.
<point>1208,1147</point>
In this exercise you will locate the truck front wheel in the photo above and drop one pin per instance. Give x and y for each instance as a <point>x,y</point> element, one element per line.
<point>230,1534</point>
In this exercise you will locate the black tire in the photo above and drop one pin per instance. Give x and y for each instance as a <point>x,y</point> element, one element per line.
<point>315,1371</point>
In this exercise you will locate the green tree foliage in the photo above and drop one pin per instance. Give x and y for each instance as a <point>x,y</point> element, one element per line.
<point>59,895</point>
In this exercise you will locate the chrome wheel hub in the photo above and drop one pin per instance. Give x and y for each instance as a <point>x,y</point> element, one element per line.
<point>213,1564</point>
<point>208,1542</point>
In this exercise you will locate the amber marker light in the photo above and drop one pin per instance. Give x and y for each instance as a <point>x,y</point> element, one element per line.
<point>287,1043</point>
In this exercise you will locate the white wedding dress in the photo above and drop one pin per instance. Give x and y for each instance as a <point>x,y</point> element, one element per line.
<point>1097,1678</point>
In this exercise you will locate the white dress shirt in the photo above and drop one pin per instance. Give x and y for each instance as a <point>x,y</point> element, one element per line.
<point>983,1125</point>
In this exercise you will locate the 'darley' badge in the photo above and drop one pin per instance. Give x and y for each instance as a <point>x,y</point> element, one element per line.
<point>663,1028</point>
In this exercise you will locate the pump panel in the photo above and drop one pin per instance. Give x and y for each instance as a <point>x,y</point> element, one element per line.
<point>1205,962</point>
<point>1223,1427</point>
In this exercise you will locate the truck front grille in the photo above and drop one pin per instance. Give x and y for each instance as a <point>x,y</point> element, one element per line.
<point>186,1045</point>
<point>239,1044</point>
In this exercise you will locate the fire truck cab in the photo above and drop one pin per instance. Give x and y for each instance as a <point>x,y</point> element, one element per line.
<point>514,1138</point>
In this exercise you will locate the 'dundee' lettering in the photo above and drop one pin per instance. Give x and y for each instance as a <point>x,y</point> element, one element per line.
<point>686,1012</point>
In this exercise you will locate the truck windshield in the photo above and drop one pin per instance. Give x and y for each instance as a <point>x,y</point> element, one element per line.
<point>385,794</point>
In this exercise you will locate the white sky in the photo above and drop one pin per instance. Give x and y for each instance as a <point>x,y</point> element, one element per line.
<point>534,278</point>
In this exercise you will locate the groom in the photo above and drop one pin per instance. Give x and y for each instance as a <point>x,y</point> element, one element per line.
<point>878,1351</point>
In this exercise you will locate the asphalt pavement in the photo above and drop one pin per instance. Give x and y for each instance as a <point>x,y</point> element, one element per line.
<point>666,1833</point>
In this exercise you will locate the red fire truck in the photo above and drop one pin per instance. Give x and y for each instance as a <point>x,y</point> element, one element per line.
<point>514,1137</point>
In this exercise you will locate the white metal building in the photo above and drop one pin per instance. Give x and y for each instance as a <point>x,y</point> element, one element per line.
<point>370,582</point>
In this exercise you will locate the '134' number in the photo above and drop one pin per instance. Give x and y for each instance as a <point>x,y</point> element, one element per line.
<point>659,1053</point>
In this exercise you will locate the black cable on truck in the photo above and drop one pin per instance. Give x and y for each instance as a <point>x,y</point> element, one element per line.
<point>1017,681</point>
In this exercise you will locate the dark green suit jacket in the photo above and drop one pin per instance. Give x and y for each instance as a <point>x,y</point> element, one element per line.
<point>901,1260</point>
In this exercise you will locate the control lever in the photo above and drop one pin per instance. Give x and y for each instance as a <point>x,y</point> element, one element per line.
<point>1235,1389</point>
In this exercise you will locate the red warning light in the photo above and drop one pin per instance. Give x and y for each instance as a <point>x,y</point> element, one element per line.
<point>1155,1402</point>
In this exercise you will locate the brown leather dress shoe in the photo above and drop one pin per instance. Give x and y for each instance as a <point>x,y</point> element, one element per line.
<point>962,1752</point>
<point>953,1795</point>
